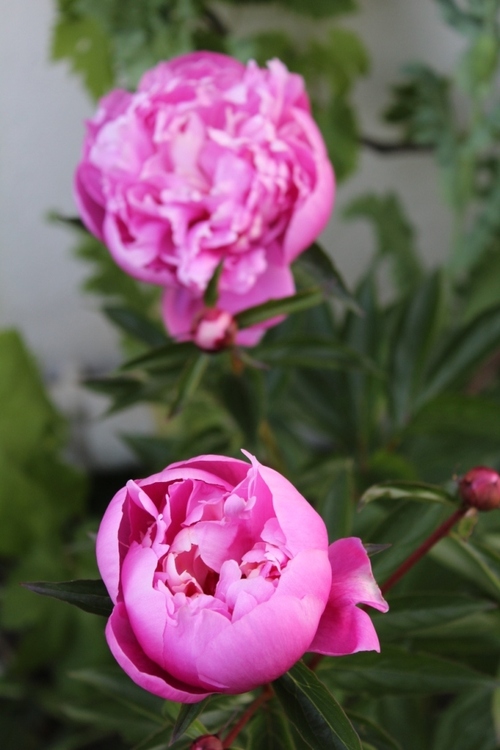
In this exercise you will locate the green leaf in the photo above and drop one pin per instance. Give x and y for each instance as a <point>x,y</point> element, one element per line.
<point>212,291</point>
<point>314,352</point>
<point>188,713</point>
<point>457,413</point>
<point>270,729</point>
<point>338,124</point>
<point>417,491</point>
<point>314,712</point>
<point>242,395</point>
<point>117,685</point>
<point>460,19</point>
<point>463,352</point>
<point>370,732</point>
<point>414,614</point>
<point>165,357</point>
<point>397,671</point>
<point>414,335</point>
<point>317,263</point>
<point>189,381</point>
<point>394,235</point>
<point>84,43</point>
<point>483,289</point>
<point>421,106</point>
<point>472,560</point>
<point>405,527</point>
<point>91,596</point>
<point>136,325</point>
<point>466,724</point>
<point>284,306</point>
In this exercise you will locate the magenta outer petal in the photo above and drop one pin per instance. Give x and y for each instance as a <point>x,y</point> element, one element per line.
<point>220,470</point>
<point>303,526</point>
<point>344,628</point>
<point>108,544</point>
<point>143,671</point>
<point>180,307</point>
<point>312,216</point>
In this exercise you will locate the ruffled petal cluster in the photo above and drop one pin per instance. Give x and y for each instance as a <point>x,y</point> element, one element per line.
<point>209,161</point>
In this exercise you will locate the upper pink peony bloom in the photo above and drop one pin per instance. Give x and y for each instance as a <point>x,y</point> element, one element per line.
<point>209,160</point>
<point>222,577</point>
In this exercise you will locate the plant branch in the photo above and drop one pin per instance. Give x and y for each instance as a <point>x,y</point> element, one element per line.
<point>245,718</point>
<point>396,147</point>
<point>435,537</point>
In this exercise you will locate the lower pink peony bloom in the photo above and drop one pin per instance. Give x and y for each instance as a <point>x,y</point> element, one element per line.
<point>209,161</point>
<point>222,578</point>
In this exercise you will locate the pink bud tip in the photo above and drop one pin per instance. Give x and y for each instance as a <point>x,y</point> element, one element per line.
<point>207,742</point>
<point>214,330</point>
<point>480,488</point>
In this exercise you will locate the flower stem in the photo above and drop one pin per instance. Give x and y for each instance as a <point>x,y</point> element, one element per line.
<point>245,718</point>
<point>436,535</point>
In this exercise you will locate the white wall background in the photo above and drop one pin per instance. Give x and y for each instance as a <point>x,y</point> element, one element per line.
<point>42,108</point>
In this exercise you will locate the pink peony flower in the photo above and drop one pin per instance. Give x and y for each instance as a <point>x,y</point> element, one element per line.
<point>210,160</point>
<point>222,577</point>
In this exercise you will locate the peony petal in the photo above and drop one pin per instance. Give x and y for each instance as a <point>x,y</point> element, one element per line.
<point>311,217</point>
<point>110,545</point>
<point>140,668</point>
<point>303,527</point>
<point>344,628</point>
<point>261,646</point>
<point>146,606</point>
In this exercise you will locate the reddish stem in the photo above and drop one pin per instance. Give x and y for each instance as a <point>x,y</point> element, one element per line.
<point>438,534</point>
<point>245,718</point>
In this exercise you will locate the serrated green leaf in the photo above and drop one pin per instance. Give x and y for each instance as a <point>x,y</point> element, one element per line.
<point>416,491</point>
<point>314,712</point>
<point>91,596</point>
<point>84,43</point>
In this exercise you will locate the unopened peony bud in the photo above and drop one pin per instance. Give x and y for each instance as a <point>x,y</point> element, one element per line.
<point>214,330</point>
<point>480,488</point>
<point>207,742</point>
